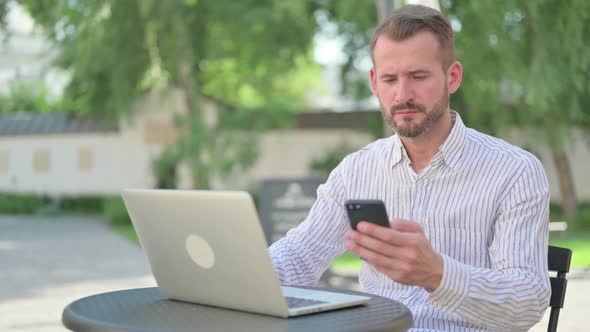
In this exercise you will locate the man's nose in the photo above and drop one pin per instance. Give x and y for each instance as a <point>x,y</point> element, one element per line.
<point>404,92</point>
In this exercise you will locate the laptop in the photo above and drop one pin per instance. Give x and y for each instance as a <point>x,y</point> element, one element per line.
<point>208,247</point>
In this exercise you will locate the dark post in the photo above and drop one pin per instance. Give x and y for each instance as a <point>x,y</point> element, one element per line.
<point>285,203</point>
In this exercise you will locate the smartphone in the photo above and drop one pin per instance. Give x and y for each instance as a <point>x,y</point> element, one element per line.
<point>366,210</point>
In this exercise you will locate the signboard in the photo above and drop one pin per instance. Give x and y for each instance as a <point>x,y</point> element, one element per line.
<point>285,203</point>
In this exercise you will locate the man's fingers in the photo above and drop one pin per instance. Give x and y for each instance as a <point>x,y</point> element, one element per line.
<point>372,243</point>
<point>386,234</point>
<point>372,257</point>
<point>406,225</point>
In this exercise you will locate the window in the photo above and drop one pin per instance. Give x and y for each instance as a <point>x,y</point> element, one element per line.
<point>3,161</point>
<point>41,160</point>
<point>156,132</point>
<point>85,159</point>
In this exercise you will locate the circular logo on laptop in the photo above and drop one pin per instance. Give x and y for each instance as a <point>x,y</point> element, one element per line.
<point>200,251</point>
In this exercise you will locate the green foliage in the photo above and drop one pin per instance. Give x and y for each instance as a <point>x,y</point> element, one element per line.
<point>525,63</point>
<point>347,262</point>
<point>22,203</point>
<point>3,13</point>
<point>100,44</point>
<point>28,97</point>
<point>579,243</point>
<point>329,160</point>
<point>116,213</point>
<point>117,49</point>
<point>240,56</point>
<point>375,126</point>
<point>82,204</point>
<point>581,221</point>
<point>11,203</point>
<point>354,22</point>
<point>127,231</point>
<point>113,208</point>
<point>555,213</point>
<point>164,168</point>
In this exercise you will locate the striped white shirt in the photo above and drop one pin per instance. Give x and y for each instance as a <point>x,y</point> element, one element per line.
<point>484,206</point>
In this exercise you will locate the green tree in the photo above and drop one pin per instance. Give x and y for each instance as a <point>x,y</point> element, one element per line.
<point>28,97</point>
<point>251,59</point>
<point>354,23</point>
<point>526,65</point>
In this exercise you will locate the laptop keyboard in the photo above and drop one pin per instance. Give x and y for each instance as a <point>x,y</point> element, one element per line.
<point>297,302</point>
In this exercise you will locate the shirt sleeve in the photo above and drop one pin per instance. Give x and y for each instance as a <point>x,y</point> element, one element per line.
<point>301,257</point>
<point>514,293</point>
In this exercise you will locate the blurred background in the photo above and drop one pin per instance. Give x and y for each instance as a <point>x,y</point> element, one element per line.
<point>259,95</point>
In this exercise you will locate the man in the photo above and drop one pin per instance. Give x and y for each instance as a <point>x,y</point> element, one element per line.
<point>467,246</point>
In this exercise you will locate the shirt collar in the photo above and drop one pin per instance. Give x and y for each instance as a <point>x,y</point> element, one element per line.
<point>451,149</point>
<point>398,150</point>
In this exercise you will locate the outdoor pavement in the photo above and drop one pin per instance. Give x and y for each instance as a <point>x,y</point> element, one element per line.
<point>46,263</point>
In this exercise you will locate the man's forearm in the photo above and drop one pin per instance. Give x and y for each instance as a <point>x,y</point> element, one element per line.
<point>511,300</point>
<point>291,268</point>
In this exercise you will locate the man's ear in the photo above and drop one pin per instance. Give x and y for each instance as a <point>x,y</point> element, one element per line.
<point>373,73</point>
<point>454,76</point>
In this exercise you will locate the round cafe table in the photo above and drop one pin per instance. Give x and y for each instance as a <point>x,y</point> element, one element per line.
<point>144,309</point>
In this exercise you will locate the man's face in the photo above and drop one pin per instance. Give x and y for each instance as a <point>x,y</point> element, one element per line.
<point>410,83</point>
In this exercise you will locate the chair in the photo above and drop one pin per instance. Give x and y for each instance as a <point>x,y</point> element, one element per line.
<point>559,260</point>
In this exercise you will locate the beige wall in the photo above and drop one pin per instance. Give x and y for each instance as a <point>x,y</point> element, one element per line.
<point>87,163</point>
<point>105,163</point>
<point>49,164</point>
<point>289,153</point>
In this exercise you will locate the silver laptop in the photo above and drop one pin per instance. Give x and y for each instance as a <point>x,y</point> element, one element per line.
<point>208,247</point>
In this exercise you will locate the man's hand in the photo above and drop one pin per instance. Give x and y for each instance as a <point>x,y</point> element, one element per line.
<point>401,252</point>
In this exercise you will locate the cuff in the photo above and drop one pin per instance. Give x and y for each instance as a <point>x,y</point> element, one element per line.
<point>454,286</point>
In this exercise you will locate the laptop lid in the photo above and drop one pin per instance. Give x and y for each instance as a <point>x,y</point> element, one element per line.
<point>208,247</point>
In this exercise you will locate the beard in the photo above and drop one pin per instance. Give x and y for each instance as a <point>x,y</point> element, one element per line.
<point>410,127</point>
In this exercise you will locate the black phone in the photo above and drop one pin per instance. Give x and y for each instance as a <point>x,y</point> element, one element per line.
<point>366,210</point>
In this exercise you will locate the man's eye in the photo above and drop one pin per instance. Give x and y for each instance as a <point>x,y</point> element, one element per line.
<point>419,78</point>
<point>389,80</point>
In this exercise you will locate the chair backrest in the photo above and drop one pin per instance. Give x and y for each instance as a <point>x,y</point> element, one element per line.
<point>559,260</point>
